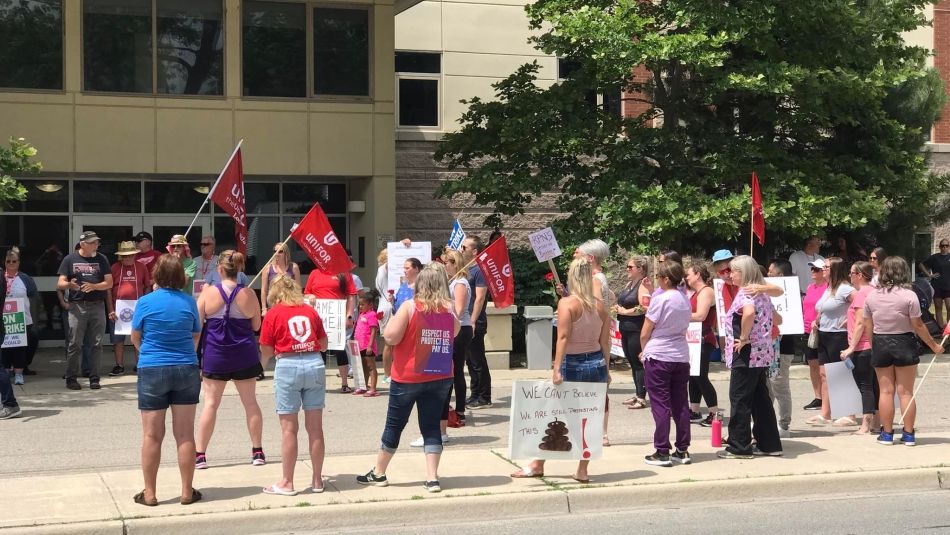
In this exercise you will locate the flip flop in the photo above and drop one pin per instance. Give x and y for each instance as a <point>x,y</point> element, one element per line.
<point>526,473</point>
<point>195,497</point>
<point>318,490</point>
<point>581,481</point>
<point>345,389</point>
<point>140,499</point>
<point>274,489</point>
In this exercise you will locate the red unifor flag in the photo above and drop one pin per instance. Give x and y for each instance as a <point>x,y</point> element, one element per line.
<point>228,194</point>
<point>758,217</point>
<point>495,266</point>
<point>316,237</point>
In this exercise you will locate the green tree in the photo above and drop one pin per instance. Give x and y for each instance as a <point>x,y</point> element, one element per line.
<point>15,160</point>
<point>822,98</point>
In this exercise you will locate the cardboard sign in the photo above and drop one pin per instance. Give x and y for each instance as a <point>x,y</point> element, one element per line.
<point>124,310</point>
<point>544,244</point>
<point>399,253</point>
<point>457,236</point>
<point>14,321</point>
<point>843,393</point>
<point>694,337</point>
<point>197,286</point>
<point>333,314</point>
<point>549,421</point>
<point>616,340</point>
<point>788,305</point>
<point>356,363</point>
<point>437,337</point>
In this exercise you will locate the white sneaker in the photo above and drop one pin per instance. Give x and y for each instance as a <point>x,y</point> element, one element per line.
<point>784,433</point>
<point>18,379</point>
<point>419,442</point>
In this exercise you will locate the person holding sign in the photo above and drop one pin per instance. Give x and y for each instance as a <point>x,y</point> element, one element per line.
<point>892,314</point>
<point>9,408</point>
<point>630,308</point>
<point>130,281</point>
<point>702,302</point>
<point>19,285</point>
<point>859,345</point>
<point>293,333</point>
<point>666,361</point>
<point>231,314</point>
<point>749,352</point>
<point>832,325</point>
<point>422,333</point>
<point>583,341</point>
<point>322,285</point>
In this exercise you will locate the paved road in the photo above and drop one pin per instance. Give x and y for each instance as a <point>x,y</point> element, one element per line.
<point>924,512</point>
<point>64,431</point>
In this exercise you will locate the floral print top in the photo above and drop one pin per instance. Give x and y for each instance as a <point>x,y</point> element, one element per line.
<point>763,352</point>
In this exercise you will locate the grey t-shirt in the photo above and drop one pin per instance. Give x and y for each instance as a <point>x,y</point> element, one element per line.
<point>833,309</point>
<point>466,318</point>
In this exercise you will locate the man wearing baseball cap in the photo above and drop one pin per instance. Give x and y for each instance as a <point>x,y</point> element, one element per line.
<point>131,280</point>
<point>85,276</point>
<point>146,255</point>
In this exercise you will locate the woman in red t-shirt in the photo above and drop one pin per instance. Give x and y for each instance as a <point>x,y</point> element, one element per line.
<point>422,332</point>
<point>293,333</point>
<point>322,285</point>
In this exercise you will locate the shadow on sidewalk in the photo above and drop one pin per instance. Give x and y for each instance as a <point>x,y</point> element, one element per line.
<point>227,493</point>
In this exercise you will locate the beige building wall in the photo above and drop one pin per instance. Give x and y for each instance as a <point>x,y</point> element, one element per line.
<point>86,134</point>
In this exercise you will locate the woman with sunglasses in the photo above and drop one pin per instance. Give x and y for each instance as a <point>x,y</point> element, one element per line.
<point>19,285</point>
<point>819,283</point>
<point>859,346</point>
<point>876,259</point>
<point>832,322</point>
<point>630,309</point>
<point>178,247</point>
<point>939,265</point>
<point>281,265</point>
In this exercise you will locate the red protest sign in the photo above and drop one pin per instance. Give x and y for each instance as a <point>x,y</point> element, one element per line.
<point>228,194</point>
<point>316,237</point>
<point>496,267</point>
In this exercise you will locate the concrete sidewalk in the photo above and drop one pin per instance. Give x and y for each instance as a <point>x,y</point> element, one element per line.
<point>101,502</point>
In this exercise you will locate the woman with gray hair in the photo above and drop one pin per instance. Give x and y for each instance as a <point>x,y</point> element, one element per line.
<point>749,352</point>
<point>596,253</point>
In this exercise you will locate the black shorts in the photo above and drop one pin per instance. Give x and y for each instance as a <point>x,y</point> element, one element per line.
<point>810,353</point>
<point>830,346</point>
<point>941,294</point>
<point>894,350</point>
<point>339,355</point>
<point>240,375</point>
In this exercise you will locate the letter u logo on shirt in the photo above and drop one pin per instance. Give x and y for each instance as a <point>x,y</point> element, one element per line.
<point>299,327</point>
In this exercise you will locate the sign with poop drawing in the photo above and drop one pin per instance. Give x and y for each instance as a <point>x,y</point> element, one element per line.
<point>549,421</point>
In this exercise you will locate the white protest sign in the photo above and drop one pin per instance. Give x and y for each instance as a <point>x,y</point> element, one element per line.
<point>616,340</point>
<point>14,322</point>
<point>694,338</point>
<point>544,244</point>
<point>356,363</point>
<point>843,393</point>
<point>333,314</point>
<point>399,253</point>
<point>549,421</point>
<point>124,310</point>
<point>788,305</point>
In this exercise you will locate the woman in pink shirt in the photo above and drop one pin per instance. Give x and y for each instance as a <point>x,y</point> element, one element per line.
<point>859,346</point>
<point>812,294</point>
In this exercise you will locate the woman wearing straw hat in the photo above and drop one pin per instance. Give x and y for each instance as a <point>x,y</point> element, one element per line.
<point>130,281</point>
<point>178,246</point>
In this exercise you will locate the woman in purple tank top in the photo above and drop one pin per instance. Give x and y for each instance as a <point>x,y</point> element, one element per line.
<point>280,265</point>
<point>230,313</point>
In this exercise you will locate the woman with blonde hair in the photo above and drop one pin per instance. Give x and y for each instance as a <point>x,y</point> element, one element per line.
<point>630,309</point>
<point>281,265</point>
<point>421,372</point>
<point>583,340</point>
<point>293,333</point>
<point>231,313</point>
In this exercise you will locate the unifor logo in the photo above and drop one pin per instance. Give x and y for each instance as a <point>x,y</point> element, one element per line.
<point>126,315</point>
<point>330,239</point>
<point>506,271</point>
<point>299,327</point>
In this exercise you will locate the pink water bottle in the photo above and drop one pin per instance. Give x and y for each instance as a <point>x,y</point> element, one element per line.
<point>716,438</point>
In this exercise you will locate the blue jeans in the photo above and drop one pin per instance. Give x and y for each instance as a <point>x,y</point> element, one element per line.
<point>584,368</point>
<point>429,397</point>
<point>7,399</point>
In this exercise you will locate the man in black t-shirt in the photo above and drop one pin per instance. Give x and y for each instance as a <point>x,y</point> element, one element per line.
<point>476,360</point>
<point>85,276</point>
<point>8,404</point>
<point>939,265</point>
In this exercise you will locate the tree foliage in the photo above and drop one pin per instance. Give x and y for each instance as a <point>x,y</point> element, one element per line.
<point>822,98</point>
<point>15,160</point>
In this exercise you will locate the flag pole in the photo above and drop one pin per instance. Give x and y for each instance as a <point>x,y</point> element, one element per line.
<point>213,187</point>
<point>267,265</point>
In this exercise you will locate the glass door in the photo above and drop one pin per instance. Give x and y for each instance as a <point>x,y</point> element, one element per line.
<point>163,227</point>
<point>110,228</point>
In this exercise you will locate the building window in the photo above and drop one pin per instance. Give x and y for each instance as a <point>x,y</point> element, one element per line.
<point>119,53</point>
<point>274,49</point>
<point>609,101</point>
<point>340,51</point>
<point>31,52</point>
<point>417,76</point>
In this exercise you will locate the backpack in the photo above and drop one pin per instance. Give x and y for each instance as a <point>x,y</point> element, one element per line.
<point>925,296</point>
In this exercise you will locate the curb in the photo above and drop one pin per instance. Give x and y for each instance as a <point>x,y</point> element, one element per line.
<point>552,501</point>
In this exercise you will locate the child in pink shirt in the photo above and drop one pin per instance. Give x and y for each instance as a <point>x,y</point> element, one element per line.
<point>367,327</point>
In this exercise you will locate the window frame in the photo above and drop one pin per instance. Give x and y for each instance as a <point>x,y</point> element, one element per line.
<point>440,92</point>
<point>62,61</point>
<point>154,92</point>
<point>309,6</point>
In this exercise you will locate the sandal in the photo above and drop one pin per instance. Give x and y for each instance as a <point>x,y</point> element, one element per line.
<point>606,442</point>
<point>345,389</point>
<point>638,404</point>
<point>140,499</point>
<point>526,473</point>
<point>845,421</point>
<point>817,420</point>
<point>630,401</point>
<point>195,497</point>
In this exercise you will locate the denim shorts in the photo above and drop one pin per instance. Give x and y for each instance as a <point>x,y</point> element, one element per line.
<point>584,368</point>
<point>161,386</point>
<point>300,381</point>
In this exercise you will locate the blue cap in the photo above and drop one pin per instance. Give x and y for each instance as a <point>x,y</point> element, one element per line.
<point>722,254</point>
